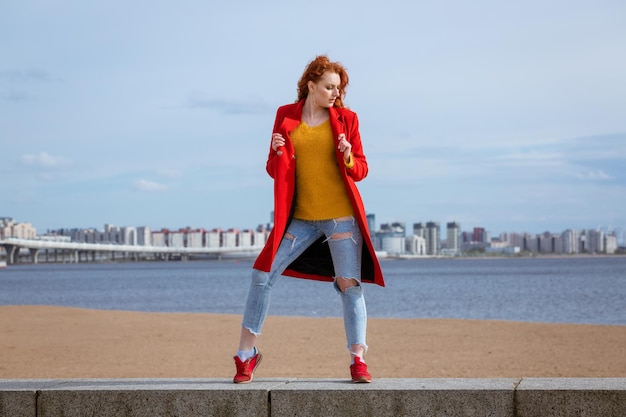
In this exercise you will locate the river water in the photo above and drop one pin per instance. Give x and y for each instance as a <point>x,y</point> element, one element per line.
<point>558,290</point>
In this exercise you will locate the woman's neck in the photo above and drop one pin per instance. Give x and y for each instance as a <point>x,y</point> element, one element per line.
<point>313,115</point>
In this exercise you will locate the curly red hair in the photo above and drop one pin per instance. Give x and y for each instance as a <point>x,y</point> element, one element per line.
<point>315,70</point>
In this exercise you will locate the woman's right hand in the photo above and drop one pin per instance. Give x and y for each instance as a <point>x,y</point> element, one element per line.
<point>277,141</point>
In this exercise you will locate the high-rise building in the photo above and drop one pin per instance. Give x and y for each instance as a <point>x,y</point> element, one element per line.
<point>419,229</point>
<point>479,235</point>
<point>10,228</point>
<point>144,236</point>
<point>594,241</point>
<point>570,241</point>
<point>371,224</point>
<point>432,238</point>
<point>610,243</point>
<point>453,237</point>
<point>550,243</point>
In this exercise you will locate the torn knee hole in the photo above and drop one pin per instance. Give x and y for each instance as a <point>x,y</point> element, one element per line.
<point>345,283</point>
<point>289,236</point>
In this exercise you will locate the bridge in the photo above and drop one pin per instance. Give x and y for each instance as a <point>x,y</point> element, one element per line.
<point>75,252</point>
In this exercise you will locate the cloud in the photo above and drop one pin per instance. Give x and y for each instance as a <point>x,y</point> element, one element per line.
<point>149,186</point>
<point>25,76</point>
<point>15,96</point>
<point>227,106</point>
<point>44,160</point>
<point>598,175</point>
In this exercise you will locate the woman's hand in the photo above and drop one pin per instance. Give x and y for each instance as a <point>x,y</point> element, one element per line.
<point>277,141</point>
<point>345,147</point>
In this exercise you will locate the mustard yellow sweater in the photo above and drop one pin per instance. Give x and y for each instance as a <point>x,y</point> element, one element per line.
<point>320,192</point>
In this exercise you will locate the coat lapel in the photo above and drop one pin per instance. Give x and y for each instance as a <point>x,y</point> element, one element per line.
<point>338,127</point>
<point>293,118</point>
<point>336,122</point>
<point>289,125</point>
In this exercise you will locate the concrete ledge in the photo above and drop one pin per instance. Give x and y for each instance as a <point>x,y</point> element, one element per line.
<point>538,397</point>
<point>395,397</point>
<point>313,397</point>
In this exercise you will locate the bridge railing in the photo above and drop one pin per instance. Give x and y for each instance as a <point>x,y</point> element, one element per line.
<point>13,247</point>
<point>46,244</point>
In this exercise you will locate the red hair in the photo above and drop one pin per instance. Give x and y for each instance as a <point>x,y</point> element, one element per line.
<point>315,70</point>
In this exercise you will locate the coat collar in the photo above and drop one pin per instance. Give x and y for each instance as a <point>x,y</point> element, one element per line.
<point>294,117</point>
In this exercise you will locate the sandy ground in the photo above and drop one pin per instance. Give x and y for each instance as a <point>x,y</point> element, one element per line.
<point>60,342</point>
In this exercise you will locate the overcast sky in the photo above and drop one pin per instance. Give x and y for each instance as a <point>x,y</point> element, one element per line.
<point>505,115</point>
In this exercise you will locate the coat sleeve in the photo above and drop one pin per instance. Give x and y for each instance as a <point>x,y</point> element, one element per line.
<point>360,169</point>
<point>272,157</point>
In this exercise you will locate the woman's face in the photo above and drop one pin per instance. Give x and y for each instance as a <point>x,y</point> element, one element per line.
<point>326,90</point>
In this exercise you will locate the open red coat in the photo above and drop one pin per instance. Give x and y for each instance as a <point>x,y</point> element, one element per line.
<point>316,262</point>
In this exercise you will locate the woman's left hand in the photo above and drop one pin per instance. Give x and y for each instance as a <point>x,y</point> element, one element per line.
<point>344,146</point>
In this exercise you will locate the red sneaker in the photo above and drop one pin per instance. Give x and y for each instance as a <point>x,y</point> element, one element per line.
<point>245,369</point>
<point>359,371</point>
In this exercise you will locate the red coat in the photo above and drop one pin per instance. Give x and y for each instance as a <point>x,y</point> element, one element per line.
<point>316,262</point>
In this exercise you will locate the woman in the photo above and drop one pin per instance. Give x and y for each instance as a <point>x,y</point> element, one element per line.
<point>320,228</point>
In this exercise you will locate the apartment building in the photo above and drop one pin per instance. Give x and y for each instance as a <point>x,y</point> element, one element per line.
<point>10,228</point>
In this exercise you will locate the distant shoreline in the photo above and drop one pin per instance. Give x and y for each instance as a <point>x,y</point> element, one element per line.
<point>506,256</point>
<point>3,263</point>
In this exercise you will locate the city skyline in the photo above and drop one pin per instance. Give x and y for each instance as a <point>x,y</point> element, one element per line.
<point>393,239</point>
<point>500,114</point>
<point>620,232</point>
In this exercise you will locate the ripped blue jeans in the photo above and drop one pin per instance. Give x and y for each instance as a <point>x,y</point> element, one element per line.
<point>345,243</point>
